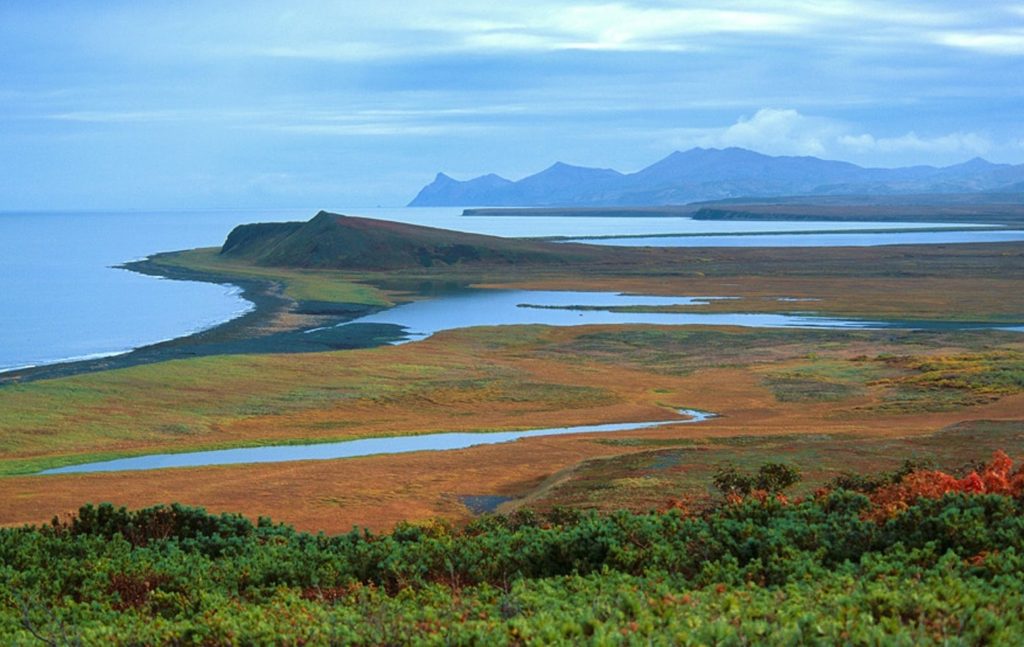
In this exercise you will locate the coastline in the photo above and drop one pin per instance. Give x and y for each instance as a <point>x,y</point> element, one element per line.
<point>809,232</point>
<point>259,329</point>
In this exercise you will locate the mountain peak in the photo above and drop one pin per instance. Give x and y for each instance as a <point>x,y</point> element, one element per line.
<point>562,167</point>
<point>975,163</point>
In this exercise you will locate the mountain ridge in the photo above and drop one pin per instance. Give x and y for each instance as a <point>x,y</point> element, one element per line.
<point>701,174</point>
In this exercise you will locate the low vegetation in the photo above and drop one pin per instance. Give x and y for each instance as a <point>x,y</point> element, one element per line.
<point>926,558</point>
<point>496,378</point>
<point>950,381</point>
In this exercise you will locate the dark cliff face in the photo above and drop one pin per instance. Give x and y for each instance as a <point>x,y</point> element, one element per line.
<point>714,174</point>
<point>332,241</point>
<point>256,238</point>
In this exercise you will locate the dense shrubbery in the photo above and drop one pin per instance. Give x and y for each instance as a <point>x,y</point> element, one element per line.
<point>770,478</point>
<point>945,565</point>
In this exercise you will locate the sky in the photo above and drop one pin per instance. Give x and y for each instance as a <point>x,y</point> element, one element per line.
<point>245,104</point>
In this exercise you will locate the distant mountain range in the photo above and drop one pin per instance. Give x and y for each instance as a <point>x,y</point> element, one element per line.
<point>701,174</point>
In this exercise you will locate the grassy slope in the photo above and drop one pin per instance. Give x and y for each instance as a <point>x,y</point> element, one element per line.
<point>301,285</point>
<point>332,241</point>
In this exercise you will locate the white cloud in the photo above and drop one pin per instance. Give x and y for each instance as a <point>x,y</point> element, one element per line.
<point>119,116</point>
<point>526,26</point>
<point>328,51</point>
<point>970,143</point>
<point>393,29</point>
<point>625,26</point>
<point>1009,43</point>
<point>776,131</point>
<point>380,129</point>
<point>636,26</point>
<point>377,122</point>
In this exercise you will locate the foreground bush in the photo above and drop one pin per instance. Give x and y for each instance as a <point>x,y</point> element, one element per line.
<point>943,567</point>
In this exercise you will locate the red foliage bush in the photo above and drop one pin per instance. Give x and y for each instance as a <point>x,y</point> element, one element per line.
<point>995,478</point>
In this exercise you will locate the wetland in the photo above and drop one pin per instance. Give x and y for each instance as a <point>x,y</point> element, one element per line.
<point>912,346</point>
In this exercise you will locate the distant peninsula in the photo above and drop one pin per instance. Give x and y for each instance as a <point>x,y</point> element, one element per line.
<point>705,174</point>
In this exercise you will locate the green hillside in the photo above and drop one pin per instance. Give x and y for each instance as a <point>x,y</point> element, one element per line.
<point>333,241</point>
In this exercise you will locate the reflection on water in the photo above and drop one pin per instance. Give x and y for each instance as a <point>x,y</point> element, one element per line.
<point>61,299</point>
<point>467,308</point>
<point>353,448</point>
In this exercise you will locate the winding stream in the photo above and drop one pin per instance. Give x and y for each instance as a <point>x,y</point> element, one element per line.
<point>354,448</point>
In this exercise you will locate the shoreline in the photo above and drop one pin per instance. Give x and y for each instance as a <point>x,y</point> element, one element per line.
<point>809,232</point>
<point>249,332</point>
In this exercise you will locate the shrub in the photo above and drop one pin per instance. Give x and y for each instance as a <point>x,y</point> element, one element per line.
<point>770,477</point>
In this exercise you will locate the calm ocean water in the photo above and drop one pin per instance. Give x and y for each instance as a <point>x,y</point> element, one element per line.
<point>60,298</point>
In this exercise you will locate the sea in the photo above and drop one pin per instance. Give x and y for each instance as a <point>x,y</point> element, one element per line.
<point>63,296</point>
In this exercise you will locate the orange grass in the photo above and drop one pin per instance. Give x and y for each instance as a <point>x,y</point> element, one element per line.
<point>456,381</point>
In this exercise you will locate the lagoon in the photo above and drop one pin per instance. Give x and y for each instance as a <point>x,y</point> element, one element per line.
<point>62,298</point>
<point>467,308</point>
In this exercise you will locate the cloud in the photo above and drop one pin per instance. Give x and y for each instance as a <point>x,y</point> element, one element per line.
<point>390,30</point>
<point>380,129</point>
<point>450,29</point>
<point>629,27</point>
<point>970,143</point>
<point>777,131</point>
<point>1007,43</point>
<point>328,51</point>
<point>119,116</point>
<point>380,122</point>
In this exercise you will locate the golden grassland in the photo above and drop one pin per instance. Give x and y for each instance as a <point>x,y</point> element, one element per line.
<point>918,298</point>
<point>764,384</point>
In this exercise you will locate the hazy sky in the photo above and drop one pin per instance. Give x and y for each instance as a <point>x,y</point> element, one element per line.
<point>244,104</point>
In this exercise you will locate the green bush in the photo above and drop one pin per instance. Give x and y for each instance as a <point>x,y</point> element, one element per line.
<point>770,477</point>
<point>945,571</point>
